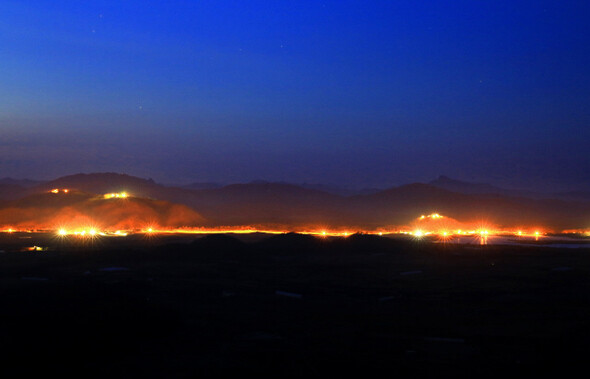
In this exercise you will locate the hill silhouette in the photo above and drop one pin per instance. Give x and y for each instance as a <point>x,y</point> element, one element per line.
<point>236,204</point>
<point>10,191</point>
<point>444,182</point>
<point>265,203</point>
<point>290,207</point>
<point>406,202</point>
<point>101,183</point>
<point>81,209</point>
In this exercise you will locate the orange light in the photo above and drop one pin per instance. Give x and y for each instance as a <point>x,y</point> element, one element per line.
<point>121,195</point>
<point>55,190</point>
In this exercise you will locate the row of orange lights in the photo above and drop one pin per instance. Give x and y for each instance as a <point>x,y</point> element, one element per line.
<point>520,233</point>
<point>323,233</point>
<point>120,195</point>
<point>417,233</point>
<point>91,232</point>
<point>433,216</point>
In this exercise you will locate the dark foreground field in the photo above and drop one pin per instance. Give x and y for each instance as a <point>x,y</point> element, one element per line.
<point>291,306</point>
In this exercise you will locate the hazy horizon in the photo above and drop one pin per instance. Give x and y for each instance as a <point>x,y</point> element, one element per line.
<point>329,187</point>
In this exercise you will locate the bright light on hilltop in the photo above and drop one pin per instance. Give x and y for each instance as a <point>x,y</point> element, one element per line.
<point>120,195</point>
<point>432,216</point>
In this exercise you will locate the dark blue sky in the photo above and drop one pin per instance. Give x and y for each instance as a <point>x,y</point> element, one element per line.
<point>356,93</point>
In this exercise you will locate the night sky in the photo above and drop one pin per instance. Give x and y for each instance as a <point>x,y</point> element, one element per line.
<point>353,93</point>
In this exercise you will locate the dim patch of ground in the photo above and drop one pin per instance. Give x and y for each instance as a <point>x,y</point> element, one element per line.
<point>292,306</point>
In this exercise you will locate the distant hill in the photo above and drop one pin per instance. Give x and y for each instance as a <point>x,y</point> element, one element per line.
<point>411,200</point>
<point>454,185</point>
<point>200,186</point>
<point>25,183</point>
<point>264,203</point>
<point>573,195</point>
<point>449,184</point>
<point>289,206</point>
<point>335,190</point>
<point>237,204</point>
<point>101,183</point>
<point>75,208</point>
<point>11,191</point>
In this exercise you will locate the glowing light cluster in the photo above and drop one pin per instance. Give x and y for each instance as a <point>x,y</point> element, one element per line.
<point>58,190</point>
<point>247,230</point>
<point>119,195</point>
<point>36,248</point>
<point>440,232</point>
<point>326,233</point>
<point>446,230</point>
<point>433,216</point>
<point>81,232</point>
<point>447,234</point>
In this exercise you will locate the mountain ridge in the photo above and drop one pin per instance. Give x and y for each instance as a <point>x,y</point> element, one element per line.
<point>291,205</point>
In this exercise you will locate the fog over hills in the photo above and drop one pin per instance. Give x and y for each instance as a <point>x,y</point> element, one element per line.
<point>76,208</point>
<point>414,199</point>
<point>293,206</point>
